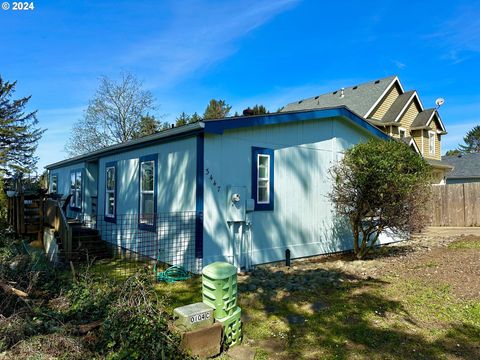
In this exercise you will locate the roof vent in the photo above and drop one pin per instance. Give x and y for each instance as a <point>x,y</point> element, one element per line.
<point>300,101</point>
<point>335,92</point>
<point>355,87</point>
<point>316,97</point>
<point>342,92</point>
<point>378,81</point>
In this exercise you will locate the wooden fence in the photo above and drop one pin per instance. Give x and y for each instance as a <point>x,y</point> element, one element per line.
<point>456,205</point>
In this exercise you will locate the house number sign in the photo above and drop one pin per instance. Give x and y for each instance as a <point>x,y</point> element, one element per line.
<point>199,317</point>
<point>212,179</point>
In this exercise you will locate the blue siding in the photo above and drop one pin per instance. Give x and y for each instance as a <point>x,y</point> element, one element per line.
<point>302,220</point>
<point>175,188</point>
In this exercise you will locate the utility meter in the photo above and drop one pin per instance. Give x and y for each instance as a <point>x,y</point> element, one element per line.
<point>236,196</point>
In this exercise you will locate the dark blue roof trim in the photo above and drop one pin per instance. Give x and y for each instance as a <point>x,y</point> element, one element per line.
<point>219,126</point>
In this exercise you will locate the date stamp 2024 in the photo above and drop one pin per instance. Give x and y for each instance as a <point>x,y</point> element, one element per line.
<point>18,6</point>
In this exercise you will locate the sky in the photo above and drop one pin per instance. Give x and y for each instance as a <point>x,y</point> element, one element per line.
<point>245,52</point>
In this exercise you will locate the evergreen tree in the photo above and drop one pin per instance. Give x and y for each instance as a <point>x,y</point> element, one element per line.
<point>217,109</point>
<point>472,141</point>
<point>259,110</point>
<point>19,133</point>
<point>148,126</point>
<point>453,152</point>
<point>195,118</point>
<point>182,119</point>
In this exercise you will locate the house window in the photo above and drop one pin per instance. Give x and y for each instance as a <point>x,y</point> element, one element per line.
<point>431,143</point>
<point>54,185</point>
<point>110,191</point>
<point>402,132</point>
<point>262,178</point>
<point>148,203</point>
<point>76,189</point>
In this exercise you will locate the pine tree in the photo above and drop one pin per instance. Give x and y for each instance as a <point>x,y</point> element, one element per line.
<point>148,126</point>
<point>259,110</point>
<point>182,119</point>
<point>195,118</point>
<point>217,109</point>
<point>472,141</point>
<point>19,134</point>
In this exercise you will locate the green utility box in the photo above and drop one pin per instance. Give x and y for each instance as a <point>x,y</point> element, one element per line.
<point>219,288</point>
<point>232,328</point>
<point>193,316</point>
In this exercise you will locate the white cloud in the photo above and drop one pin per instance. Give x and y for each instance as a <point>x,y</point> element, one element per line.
<point>460,35</point>
<point>200,34</point>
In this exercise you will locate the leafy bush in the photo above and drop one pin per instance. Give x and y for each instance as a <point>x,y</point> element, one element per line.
<point>136,326</point>
<point>378,186</point>
<point>90,297</point>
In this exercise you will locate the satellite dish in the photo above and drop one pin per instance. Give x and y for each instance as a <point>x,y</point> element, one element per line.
<point>439,102</point>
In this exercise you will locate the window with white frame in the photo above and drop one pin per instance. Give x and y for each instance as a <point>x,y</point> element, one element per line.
<point>76,189</point>
<point>110,191</point>
<point>262,178</point>
<point>54,185</point>
<point>431,143</point>
<point>147,192</point>
<point>402,132</point>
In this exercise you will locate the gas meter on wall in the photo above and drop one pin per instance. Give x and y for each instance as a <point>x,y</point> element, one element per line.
<point>236,199</point>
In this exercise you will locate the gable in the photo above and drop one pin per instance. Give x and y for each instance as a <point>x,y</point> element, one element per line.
<point>413,109</point>
<point>386,102</point>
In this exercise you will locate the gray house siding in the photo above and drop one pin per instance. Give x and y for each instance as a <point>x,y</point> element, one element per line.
<point>302,219</point>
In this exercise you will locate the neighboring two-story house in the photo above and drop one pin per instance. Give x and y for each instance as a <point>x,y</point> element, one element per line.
<point>399,113</point>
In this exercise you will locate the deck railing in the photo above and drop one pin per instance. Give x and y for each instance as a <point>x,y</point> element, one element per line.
<point>56,218</point>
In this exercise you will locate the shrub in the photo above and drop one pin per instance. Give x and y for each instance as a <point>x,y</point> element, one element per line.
<point>136,326</point>
<point>90,297</point>
<point>378,186</point>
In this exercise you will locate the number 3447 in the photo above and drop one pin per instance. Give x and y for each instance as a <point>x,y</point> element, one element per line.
<point>23,5</point>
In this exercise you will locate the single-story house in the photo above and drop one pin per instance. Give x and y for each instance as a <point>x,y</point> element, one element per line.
<point>466,168</point>
<point>258,185</point>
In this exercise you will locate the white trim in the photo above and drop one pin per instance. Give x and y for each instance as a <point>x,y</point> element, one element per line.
<point>414,95</point>
<point>414,145</point>
<point>146,192</point>
<point>400,129</point>
<point>423,146</point>
<point>267,179</point>
<point>395,79</point>
<point>429,142</point>
<point>439,120</point>
<point>107,192</point>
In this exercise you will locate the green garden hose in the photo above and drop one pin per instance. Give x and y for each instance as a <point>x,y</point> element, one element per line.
<point>172,274</point>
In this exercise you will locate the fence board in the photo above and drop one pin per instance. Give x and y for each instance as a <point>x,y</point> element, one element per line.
<point>456,205</point>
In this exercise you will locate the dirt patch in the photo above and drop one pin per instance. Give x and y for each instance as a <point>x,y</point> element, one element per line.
<point>51,346</point>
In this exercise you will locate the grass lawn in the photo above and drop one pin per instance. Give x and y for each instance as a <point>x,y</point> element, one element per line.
<point>399,306</point>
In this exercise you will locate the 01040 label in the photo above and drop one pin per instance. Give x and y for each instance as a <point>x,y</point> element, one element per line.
<point>199,317</point>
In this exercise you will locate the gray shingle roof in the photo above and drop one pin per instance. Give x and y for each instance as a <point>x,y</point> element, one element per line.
<point>465,166</point>
<point>397,106</point>
<point>422,118</point>
<point>359,98</point>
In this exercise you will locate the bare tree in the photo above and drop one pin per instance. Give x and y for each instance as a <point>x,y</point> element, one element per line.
<point>112,116</point>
